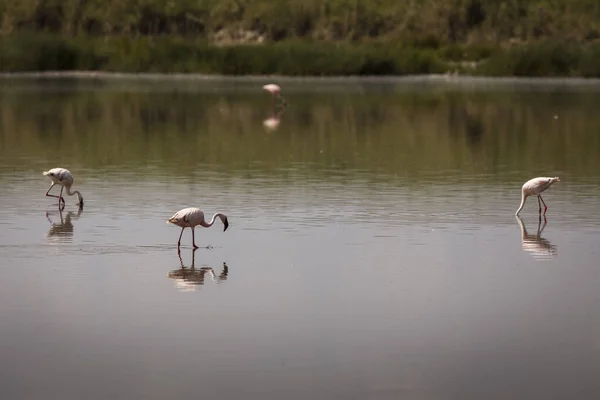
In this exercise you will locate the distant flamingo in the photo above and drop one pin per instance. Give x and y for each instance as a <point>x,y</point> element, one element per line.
<point>64,178</point>
<point>192,217</point>
<point>536,186</point>
<point>275,91</point>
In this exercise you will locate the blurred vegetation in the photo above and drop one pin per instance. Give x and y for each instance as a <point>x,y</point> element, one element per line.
<point>433,21</point>
<point>547,58</point>
<point>309,37</point>
<point>179,129</point>
<point>165,54</point>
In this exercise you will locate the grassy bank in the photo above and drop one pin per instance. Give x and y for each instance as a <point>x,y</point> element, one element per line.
<point>47,52</point>
<point>166,54</point>
<point>308,37</point>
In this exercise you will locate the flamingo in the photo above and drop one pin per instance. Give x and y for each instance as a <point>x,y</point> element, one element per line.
<point>275,91</point>
<point>536,186</point>
<point>192,217</point>
<point>64,178</point>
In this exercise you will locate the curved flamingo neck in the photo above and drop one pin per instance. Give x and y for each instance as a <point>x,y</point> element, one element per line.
<point>523,197</point>
<point>208,224</point>
<point>76,192</point>
<point>212,221</point>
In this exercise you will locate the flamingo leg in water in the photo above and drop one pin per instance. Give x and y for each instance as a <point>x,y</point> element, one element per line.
<point>194,240</point>
<point>53,195</point>
<point>48,192</point>
<point>61,198</point>
<point>179,241</point>
<point>541,226</point>
<point>543,202</point>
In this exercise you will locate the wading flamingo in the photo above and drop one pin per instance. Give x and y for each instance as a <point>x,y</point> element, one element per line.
<point>535,187</point>
<point>275,91</point>
<point>64,178</point>
<point>192,217</point>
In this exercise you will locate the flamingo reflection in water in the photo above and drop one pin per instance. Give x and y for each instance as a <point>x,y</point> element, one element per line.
<point>188,279</point>
<point>272,123</point>
<point>541,249</point>
<point>64,229</point>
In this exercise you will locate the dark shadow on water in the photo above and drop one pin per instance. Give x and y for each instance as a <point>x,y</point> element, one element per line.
<point>190,278</point>
<point>541,249</point>
<point>64,229</point>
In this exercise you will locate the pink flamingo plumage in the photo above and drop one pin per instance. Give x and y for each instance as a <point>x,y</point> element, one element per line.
<point>275,91</point>
<point>535,187</point>
<point>64,178</point>
<point>192,217</point>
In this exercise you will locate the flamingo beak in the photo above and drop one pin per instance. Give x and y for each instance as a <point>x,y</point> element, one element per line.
<point>225,225</point>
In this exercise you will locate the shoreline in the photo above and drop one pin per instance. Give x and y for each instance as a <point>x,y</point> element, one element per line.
<point>382,79</point>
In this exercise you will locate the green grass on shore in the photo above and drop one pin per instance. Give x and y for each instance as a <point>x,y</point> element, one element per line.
<point>44,52</point>
<point>308,37</point>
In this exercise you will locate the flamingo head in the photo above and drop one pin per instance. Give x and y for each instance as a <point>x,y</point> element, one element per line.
<point>53,176</point>
<point>225,223</point>
<point>552,180</point>
<point>549,181</point>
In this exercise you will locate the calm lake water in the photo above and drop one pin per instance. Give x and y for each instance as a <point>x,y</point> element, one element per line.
<point>372,253</point>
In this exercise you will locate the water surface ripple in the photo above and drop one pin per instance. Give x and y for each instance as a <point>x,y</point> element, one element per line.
<point>373,251</point>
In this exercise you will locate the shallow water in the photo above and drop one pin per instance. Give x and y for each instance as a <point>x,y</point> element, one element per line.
<point>372,252</point>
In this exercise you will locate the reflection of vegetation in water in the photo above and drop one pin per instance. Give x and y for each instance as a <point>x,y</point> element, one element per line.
<point>405,133</point>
